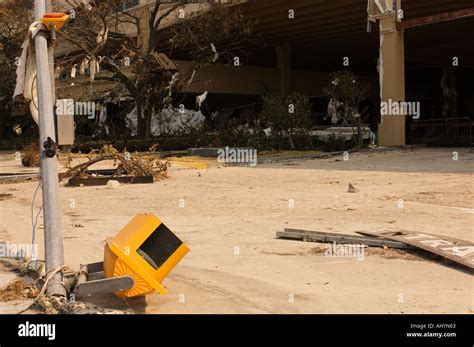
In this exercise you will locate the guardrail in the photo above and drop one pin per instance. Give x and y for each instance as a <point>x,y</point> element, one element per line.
<point>442,132</point>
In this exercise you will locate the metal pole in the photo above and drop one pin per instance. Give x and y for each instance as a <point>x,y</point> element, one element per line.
<point>49,166</point>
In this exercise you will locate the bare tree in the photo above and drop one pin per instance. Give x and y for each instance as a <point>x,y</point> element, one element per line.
<point>131,45</point>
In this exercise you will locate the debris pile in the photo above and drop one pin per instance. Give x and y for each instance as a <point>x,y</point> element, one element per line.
<point>128,168</point>
<point>60,305</point>
<point>18,290</point>
<point>31,288</point>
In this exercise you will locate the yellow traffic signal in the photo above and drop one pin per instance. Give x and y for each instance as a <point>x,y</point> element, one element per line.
<point>146,250</point>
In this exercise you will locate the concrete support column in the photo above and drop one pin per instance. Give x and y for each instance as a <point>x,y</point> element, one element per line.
<point>284,68</point>
<point>391,131</point>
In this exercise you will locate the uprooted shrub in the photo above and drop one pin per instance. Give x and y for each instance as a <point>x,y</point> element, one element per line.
<point>136,164</point>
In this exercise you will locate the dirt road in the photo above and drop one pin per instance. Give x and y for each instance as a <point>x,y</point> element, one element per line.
<point>231,214</point>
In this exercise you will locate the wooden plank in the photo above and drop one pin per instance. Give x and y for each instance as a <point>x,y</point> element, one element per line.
<point>459,251</point>
<point>317,236</point>
<point>437,18</point>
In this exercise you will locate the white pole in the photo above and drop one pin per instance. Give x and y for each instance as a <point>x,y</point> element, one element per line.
<point>49,165</point>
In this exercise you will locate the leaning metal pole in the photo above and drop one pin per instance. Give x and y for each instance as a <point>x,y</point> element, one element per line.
<point>49,165</point>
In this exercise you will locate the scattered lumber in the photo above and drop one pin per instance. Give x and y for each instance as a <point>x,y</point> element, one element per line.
<point>317,236</point>
<point>459,251</point>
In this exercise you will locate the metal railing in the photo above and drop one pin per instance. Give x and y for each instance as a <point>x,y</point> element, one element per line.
<point>442,132</point>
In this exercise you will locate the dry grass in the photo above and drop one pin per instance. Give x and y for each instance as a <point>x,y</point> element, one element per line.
<point>17,290</point>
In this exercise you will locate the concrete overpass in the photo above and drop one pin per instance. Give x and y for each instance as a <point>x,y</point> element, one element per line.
<point>304,40</point>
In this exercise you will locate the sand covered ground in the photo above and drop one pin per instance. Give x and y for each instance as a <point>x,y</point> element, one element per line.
<point>230,216</point>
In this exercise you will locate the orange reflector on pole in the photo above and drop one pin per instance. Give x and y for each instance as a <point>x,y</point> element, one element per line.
<point>55,20</point>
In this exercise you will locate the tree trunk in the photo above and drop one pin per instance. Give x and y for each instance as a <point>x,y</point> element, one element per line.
<point>310,142</point>
<point>448,86</point>
<point>3,111</point>
<point>148,116</point>
<point>290,140</point>
<point>360,139</point>
<point>141,122</point>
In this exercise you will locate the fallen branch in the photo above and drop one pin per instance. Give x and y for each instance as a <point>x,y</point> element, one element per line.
<point>128,166</point>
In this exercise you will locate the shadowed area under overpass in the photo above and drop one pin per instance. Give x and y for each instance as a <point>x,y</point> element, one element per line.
<point>323,32</point>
